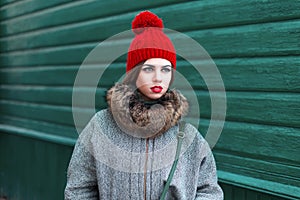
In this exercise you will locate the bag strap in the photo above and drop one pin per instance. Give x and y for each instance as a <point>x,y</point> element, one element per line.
<point>180,137</point>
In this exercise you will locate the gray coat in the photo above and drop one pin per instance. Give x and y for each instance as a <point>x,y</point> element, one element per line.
<point>110,164</point>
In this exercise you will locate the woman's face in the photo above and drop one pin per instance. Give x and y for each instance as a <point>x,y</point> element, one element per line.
<point>154,78</point>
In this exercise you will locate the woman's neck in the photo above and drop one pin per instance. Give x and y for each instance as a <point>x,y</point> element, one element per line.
<point>145,99</point>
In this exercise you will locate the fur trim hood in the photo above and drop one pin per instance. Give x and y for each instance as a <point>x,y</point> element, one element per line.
<point>143,119</point>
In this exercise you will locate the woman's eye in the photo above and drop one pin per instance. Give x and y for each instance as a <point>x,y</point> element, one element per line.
<point>166,70</point>
<point>147,69</point>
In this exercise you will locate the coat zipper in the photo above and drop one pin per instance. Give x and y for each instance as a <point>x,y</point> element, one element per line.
<point>145,169</point>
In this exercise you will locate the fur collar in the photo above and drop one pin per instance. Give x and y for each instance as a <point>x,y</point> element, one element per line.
<point>145,119</point>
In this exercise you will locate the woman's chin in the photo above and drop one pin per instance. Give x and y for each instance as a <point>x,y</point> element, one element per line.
<point>154,96</point>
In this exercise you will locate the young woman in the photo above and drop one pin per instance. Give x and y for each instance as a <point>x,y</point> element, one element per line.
<point>130,150</point>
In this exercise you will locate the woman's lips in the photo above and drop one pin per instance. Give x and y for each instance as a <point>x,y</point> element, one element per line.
<point>156,89</point>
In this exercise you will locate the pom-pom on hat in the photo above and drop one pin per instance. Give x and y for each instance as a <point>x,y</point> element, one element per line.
<point>150,41</point>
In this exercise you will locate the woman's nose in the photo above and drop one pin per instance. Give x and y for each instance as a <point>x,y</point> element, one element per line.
<point>157,76</point>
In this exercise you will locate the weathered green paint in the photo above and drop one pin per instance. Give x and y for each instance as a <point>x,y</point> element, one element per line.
<point>20,8</point>
<point>32,128</point>
<point>279,38</point>
<point>7,2</point>
<point>255,45</point>
<point>239,74</point>
<point>73,12</point>
<point>259,185</point>
<point>261,108</point>
<point>96,18</point>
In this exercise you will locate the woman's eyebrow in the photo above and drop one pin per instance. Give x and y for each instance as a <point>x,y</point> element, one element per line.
<point>149,65</point>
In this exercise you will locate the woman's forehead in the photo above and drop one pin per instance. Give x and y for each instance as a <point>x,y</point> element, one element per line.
<point>158,62</point>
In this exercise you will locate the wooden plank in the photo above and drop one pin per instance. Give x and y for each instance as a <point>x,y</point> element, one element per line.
<point>62,75</point>
<point>5,3</point>
<point>206,13</point>
<point>272,39</point>
<point>260,141</point>
<point>60,96</point>
<point>41,126</point>
<point>270,143</point>
<point>278,74</point>
<point>51,56</point>
<point>77,11</point>
<point>42,76</point>
<point>25,7</point>
<point>66,35</point>
<point>265,152</point>
<point>264,108</point>
<point>241,37</point>
<point>257,167</point>
<point>260,108</point>
<point>279,108</point>
<point>220,13</point>
<point>61,115</point>
<point>55,96</point>
<point>266,189</point>
<point>98,29</point>
<point>52,114</point>
<point>268,39</point>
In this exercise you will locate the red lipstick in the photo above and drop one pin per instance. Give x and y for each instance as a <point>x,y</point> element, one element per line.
<point>156,89</point>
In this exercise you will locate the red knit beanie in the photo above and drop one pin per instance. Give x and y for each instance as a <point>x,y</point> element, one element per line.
<point>150,41</point>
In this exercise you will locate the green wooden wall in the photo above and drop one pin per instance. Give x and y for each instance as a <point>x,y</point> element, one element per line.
<point>255,45</point>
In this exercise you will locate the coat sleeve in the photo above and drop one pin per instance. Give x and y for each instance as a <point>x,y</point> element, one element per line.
<point>81,175</point>
<point>208,187</point>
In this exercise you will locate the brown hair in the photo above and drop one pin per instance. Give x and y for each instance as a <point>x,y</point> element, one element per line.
<point>132,75</point>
